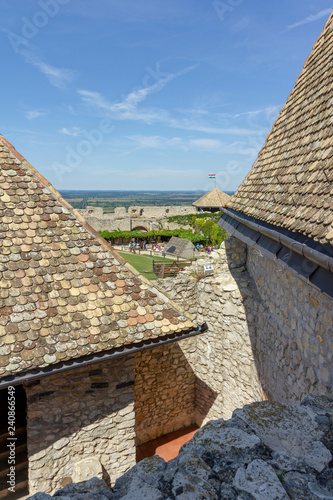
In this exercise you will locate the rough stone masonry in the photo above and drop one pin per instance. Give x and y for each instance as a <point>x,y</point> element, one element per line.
<point>269,332</point>
<point>266,451</point>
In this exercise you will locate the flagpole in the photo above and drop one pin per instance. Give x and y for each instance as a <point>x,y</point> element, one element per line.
<point>213,176</point>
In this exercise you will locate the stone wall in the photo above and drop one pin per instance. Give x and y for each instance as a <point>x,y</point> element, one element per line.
<point>164,391</point>
<point>221,358</point>
<point>294,341</point>
<point>81,424</point>
<point>269,333</point>
<point>142,211</point>
<point>108,222</point>
<point>265,451</point>
<point>164,211</point>
<point>149,217</point>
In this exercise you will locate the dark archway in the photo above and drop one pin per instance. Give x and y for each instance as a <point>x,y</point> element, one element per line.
<point>142,229</point>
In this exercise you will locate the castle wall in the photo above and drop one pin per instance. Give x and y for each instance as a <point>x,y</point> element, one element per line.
<point>151,217</point>
<point>294,341</point>
<point>269,333</point>
<point>105,223</point>
<point>81,424</point>
<point>87,422</point>
<point>165,211</point>
<point>222,357</point>
<point>164,391</point>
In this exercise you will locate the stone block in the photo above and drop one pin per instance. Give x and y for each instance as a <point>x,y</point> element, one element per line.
<point>260,480</point>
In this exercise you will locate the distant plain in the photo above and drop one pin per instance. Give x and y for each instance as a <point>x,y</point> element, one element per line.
<point>108,200</point>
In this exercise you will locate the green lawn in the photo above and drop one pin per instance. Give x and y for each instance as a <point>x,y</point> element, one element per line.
<point>142,263</point>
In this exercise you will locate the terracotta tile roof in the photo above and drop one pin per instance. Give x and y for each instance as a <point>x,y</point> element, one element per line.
<point>63,292</point>
<point>290,184</point>
<point>215,198</point>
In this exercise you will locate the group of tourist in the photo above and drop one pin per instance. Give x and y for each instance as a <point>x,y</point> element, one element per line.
<point>133,245</point>
<point>142,245</point>
<point>209,249</point>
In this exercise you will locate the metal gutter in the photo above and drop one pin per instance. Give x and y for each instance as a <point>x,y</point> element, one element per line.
<point>302,249</point>
<point>38,373</point>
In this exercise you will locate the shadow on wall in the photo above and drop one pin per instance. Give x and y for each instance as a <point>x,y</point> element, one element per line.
<point>259,324</point>
<point>283,323</point>
<point>205,397</point>
<point>165,393</point>
<point>79,414</point>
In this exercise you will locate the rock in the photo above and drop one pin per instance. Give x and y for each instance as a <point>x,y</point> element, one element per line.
<point>320,404</point>
<point>321,491</point>
<point>94,489</point>
<point>39,496</point>
<point>61,443</point>
<point>230,288</point>
<point>149,471</point>
<point>217,437</point>
<point>86,468</point>
<point>260,480</point>
<point>136,489</point>
<point>230,309</point>
<point>291,429</point>
<point>193,479</point>
<point>266,451</point>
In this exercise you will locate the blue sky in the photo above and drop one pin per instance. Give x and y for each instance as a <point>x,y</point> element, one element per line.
<point>124,94</point>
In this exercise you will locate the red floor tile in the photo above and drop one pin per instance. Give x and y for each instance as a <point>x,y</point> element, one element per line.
<point>167,447</point>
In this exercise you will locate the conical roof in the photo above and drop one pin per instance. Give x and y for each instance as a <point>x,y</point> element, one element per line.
<point>64,293</point>
<point>214,199</point>
<point>291,183</point>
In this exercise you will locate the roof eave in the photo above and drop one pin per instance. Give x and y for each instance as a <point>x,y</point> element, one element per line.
<point>307,263</point>
<point>38,373</point>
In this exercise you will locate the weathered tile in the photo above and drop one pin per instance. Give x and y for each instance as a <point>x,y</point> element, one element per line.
<point>64,293</point>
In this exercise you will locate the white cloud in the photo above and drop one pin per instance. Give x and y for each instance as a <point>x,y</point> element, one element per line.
<point>58,77</point>
<point>206,144</point>
<point>268,111</point>
<point>310,19</point>
<point>35,113</point>
<point>195,119</point>
<point>74,131</point>
<point>127,109</point>
<point>136,142</point>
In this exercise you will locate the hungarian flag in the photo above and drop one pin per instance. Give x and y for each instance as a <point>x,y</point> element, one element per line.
<point>212,176</point>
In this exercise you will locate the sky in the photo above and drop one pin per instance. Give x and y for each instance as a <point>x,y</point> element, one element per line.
<point>149,94</point>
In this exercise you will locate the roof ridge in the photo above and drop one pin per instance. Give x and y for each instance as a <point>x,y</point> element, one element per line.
<point>301,72</point>
<point>219,195</point>
<point>293,168</point>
